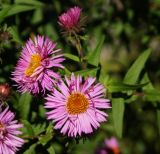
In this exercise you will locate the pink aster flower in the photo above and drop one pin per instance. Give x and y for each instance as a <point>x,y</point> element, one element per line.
<point>9,141</point>
<point>70,20</point>
<point>34,72</point>
<point>76,106</point>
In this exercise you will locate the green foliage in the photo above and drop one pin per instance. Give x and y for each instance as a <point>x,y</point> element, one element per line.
<point>43,139</point>
<point>15,35</point>
<point>28,129</point>
<point>72,57</point>
<point>3,13</point>
<point>116,34</point>
<point>131,77</point>
<point>13,9</point>
<point>117,113</point>
<point>87,72</point>
<point>39,128</point>
<point>29,2</point>
<point>24,105</point>
<point>114,86</point>
<point>150,92</point>
<point>158,119</point>
<point>51,150</point>
<point>133,73</point>
<point>31,149</point>
<point>94,56</point>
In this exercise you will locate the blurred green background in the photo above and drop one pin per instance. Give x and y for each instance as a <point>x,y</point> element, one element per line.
<point>128,28</point>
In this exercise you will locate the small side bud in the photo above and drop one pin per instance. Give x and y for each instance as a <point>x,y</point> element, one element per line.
<point>5,91</point>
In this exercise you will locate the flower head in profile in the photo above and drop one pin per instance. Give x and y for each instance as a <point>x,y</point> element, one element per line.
<point>111,146</point>
<point>76,106</point>
<point>34,72</point>
<point>70,20</point>
<point>9,141</point>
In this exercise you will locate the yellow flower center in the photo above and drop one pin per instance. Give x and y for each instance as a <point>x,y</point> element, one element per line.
<point>77,103</point>
<point>34,63</point>
<point>1,126</point>
<point>3,131</point>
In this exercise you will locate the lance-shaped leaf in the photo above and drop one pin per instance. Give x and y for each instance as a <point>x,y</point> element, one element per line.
<point>31,149</point>
<point>94,56</point>
<point>114,86</point>
<point>133,73</point>
<point>87,72</point>
<point>130,78</point>
<point>72,57</point>
<point>24,105</point>
<point>117,113</point>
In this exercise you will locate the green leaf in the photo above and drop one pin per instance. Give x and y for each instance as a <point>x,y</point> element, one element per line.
<point>31,149</point>
<point>27,129</point>
<point>94,56</point>
<point>150,93</point>
<point>24,105</point>
<point>146,79</point>
<point>3,13</point>
<point>44,139</point>
<point>10,10</point>
<point>133,73</point>
<point>158,120</point>
<point>37,16</point>
<point>29,2</point>
<point>67,72</point>
<point>118,113</point>
<point>39,128</point>
<point>42,111</point>
<point>51,150</point>
<point>50,30</point>
<point>118,27</point>
<point>15,36</point>
<point>114,86</point>
<point>18,9</point>
<point>72,57</point>
<point>87,72</point>
<point>49,128</point>
<point>130,78</point>
<point>153,95</point>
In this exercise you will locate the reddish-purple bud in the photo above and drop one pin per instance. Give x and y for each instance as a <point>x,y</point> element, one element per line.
<point>71,21</point>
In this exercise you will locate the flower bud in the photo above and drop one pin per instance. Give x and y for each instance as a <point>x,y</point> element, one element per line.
<point>72,21</point>
<point>4,36</point>
<point>5,91</point>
